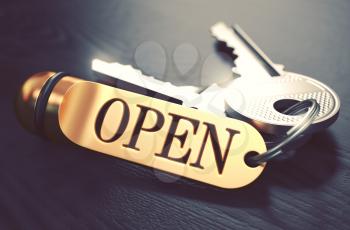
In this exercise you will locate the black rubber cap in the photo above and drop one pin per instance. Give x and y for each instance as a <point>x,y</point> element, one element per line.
<point>42,100</point>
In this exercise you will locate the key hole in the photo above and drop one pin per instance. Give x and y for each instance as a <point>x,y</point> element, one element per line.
<point>283,104</point>
<point>249,162</point>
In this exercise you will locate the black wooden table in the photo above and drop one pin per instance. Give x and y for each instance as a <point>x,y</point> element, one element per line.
<point>45,185</point>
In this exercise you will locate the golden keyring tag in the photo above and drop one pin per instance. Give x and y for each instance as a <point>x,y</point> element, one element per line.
<point>145,130</point>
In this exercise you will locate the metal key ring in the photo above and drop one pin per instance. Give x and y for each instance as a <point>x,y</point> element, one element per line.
<point>292,133</point>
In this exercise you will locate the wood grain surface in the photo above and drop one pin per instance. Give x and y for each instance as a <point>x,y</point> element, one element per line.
<point>45,185</point>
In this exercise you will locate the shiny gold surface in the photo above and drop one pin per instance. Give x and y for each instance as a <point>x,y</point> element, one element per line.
<point>27,98</point>
<point>83,101</point>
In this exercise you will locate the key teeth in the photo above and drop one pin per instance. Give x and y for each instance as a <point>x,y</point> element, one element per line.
<point>220,36</point>
<point>123,71</point>
<point>130,68</point>
<point>215,31</point>
<point>279,67</point>
<point>236,71</point>
<point>222,33</point>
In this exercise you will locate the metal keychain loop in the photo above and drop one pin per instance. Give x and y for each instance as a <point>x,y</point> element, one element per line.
<point>293,133</point>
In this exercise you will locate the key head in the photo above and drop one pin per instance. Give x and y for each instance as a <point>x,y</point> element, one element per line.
<point>261,102</point>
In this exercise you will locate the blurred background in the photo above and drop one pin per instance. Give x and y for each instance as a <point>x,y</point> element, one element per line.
<point>46,185</point>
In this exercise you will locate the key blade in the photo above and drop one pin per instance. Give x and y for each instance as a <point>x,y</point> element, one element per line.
<point>248,63</point>
<point>187,94</point>
<point>257,51</point>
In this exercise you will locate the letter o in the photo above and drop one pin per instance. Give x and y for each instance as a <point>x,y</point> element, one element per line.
<point>102,114</point>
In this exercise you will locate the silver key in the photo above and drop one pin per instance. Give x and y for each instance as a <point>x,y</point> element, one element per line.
<point>264,88</point>
<point>187,95</point>
<point>212,100</point>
